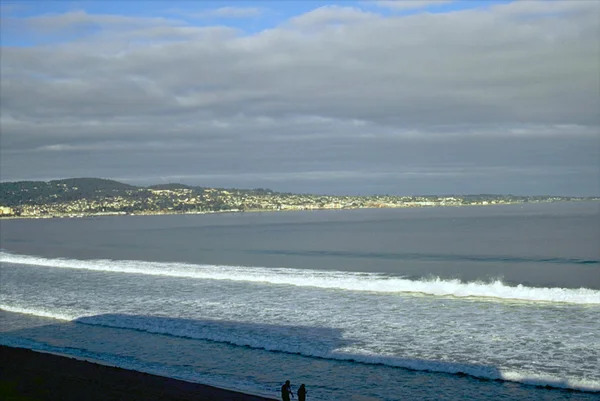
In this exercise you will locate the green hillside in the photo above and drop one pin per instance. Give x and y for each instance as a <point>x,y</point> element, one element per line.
<point>40,192</point>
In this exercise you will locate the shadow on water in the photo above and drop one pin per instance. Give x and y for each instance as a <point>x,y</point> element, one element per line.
<point>247,356</point>
<point>269,337</point>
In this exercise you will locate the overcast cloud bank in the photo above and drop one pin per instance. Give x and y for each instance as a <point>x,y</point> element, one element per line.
<point>347,98</point>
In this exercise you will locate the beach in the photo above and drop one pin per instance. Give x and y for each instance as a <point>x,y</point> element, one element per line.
<point>30,375</point>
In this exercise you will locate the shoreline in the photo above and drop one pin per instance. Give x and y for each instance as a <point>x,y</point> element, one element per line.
<point>32,375</point>
<point>102,214</point>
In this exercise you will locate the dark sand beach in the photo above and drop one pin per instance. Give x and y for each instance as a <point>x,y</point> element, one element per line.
<point>29,375</point>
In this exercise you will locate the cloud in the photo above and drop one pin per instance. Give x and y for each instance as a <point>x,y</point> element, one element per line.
<point>224,12</point>
<point>334,89</point>
<point>544,7</point>
<point>331,14</point>
<point>410,4</point>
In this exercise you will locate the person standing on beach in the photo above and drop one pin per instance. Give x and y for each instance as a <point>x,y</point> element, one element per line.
<point>302,393</point>
<point>286,390</point>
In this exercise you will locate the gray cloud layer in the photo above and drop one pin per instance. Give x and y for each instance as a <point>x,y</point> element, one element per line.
<point>502,99</point>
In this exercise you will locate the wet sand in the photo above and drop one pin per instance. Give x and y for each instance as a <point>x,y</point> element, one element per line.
<point>29,375</point>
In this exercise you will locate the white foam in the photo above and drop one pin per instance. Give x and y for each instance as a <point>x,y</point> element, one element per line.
<point>553,382</point>
<point>302,342</point>
<point>282,341</point>
<point>349,281</point>
<point>38,312</point>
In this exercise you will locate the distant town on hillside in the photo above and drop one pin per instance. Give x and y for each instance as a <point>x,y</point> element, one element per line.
<point>78,197</point>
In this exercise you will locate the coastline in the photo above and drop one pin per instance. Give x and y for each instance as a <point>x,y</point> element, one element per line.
<point>30,375</point>
<point>168,213</point>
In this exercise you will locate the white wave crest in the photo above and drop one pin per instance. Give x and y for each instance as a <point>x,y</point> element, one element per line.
<point>591,386</point>
<point>38,312</point>
<point>350,281</point>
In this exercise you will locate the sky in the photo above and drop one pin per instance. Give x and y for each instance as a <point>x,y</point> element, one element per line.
<point>347,97</point>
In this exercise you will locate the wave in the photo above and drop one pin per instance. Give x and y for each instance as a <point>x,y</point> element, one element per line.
<point>310,343</point>
<point>38,312</point>
<point>427,257</point>
<point>349,281</point>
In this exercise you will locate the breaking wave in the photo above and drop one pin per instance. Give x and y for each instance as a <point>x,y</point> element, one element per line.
<point>306,341</point>
<point>349,281</point>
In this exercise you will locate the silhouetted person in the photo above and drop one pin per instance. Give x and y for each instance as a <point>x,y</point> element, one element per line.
<point>286,390</point>
<point>302,393</point>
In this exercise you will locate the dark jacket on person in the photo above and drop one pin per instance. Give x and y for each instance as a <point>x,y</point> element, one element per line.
<point>286,390</point>
<point>302,393</point>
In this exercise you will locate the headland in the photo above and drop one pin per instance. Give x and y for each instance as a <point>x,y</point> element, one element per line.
<point>80,197</point>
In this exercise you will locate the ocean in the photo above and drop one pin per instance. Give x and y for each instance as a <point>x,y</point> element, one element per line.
<point>445,303</point>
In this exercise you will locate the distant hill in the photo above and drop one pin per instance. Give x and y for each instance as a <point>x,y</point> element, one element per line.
<point>170,187</point>
<point>71,189</point>
<point>88,196</point>
<point>93,184</point>
<point>41,192</point>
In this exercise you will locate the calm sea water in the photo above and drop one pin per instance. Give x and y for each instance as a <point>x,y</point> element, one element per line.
<point>499,302</point>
